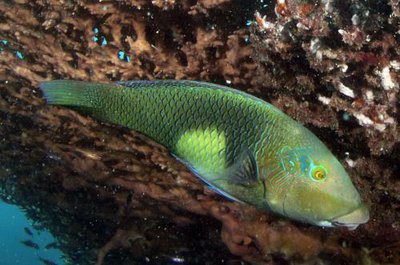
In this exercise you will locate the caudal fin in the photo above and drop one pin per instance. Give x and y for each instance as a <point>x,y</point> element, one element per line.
<point>67,92</point>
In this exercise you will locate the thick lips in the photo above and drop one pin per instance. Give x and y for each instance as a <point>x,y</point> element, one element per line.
<point>352,219</point>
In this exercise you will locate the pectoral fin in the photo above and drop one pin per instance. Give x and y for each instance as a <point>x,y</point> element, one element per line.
<point>244,171</point>
<point>210,185</point>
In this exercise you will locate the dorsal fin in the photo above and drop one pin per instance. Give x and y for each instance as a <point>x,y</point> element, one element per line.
<point>137,84</point>
<point>169,83</point>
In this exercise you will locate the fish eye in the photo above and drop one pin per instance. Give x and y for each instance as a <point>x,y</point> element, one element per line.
<point>318,174</point>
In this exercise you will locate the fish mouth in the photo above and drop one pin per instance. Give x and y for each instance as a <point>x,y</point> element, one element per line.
<point>353,219</point>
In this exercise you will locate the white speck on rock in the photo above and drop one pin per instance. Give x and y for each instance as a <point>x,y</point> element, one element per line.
<point>342,32</point>
<point>355,19</point>
<point>369,95</point>
<point>343,67</point>
<point>395,65</point>
<point>363,120</point>
<point>314,45</point>
<point>367,122</point>
<point>345,90</point>
<point>350,162</point>
<point>324,100</point>
<point>386,79</point>
<point>328,5</point>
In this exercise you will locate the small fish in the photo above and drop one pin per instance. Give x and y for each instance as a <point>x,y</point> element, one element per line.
<point>52,245</point>
<point>47,261</point>
<point>241,146</point>
<point>28,231</point>
<point>38,227</point>
<point>30,243</point>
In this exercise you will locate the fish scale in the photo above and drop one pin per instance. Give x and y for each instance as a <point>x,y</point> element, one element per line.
<point>242,147</point>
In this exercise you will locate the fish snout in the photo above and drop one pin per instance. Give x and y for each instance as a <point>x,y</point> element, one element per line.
<point>353,219</point>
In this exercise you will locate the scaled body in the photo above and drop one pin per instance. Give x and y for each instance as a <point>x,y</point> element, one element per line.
<point>244,147</point>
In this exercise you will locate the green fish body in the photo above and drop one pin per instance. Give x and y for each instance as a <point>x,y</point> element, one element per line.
<point>241,146</point>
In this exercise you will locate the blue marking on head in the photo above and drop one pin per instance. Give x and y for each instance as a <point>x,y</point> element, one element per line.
<point>304,163</point>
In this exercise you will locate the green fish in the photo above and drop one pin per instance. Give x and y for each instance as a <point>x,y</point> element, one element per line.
<point>241,146</point>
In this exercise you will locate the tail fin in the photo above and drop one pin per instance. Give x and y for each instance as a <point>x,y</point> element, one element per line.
<point>67,92</point>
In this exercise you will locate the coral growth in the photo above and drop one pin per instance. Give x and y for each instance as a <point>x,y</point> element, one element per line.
<point>332,65</point>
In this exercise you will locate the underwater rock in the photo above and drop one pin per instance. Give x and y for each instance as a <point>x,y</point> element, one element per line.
<point>109,194</point>
<point>344,54</point>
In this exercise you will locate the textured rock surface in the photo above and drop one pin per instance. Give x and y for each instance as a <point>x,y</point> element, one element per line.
<point>104,190</point>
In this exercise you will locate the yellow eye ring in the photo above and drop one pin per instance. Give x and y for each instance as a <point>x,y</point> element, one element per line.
<point>318,174</point>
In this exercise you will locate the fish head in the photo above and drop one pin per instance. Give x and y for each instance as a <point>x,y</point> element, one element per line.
<point>320,191</point>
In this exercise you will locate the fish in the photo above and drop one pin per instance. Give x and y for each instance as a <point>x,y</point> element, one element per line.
<point>54,245</point>
<point>38,227</point>
<point>47,261</point>
<point>241,146</point>
<point>28,231</point>
<point>30,243</point>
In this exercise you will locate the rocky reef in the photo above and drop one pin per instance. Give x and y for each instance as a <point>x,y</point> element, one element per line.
<point>112,196</point>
